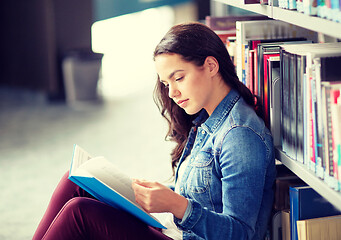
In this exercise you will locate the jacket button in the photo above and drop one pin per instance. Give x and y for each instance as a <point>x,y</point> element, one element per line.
<point>203,132</point>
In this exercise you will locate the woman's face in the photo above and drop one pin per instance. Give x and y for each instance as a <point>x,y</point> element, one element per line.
<point>188,85</point>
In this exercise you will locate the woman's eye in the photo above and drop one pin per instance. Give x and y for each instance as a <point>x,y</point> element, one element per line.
<point>178,79</point>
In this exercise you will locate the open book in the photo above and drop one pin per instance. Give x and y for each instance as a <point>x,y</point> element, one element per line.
<point>104,181</point>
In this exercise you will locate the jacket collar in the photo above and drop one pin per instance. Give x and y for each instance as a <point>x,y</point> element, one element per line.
<point>210,123</point>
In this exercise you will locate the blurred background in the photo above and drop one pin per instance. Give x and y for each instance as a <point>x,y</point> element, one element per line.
<point>78,72</point>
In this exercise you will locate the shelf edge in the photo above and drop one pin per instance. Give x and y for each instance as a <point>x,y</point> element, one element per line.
<point>313,23</point>
<point>310,178</point>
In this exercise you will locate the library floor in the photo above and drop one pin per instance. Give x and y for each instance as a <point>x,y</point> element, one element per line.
<point>36,147</point>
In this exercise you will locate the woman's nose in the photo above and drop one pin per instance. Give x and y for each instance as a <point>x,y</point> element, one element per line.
<point>173,91</point>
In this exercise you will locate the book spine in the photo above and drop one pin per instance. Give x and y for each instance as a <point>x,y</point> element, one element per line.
<point>292,5</point>
<point>255,70</point>
<point>244,62</point>
<point>266,92</point>
<point>251,71</point>
<point>338,17</point>
<point>321,5</point>
<point>328,10</point>
<point>240,35</point>
<point>294,211</point>
<point>285,102</point>
<point>302,230</point>
<point>309,122</point>
<point>336,132</point>
<point>330,176</point>
<point>335,9</point>
<point>320,228</point>
<point>293,106</point>
<point>317,121</point>
<point>299,106</point>
<point>275,99</point>
<point>299,5</point>
<point>306,136</point>
<point>310,7</point>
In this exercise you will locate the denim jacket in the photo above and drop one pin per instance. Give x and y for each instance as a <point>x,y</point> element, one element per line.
<point>228,181</point>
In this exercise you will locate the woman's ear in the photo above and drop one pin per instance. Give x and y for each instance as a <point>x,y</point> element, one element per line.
<point>212,65</point>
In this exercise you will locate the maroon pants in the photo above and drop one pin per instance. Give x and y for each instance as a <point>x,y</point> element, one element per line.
<point>74,214</point>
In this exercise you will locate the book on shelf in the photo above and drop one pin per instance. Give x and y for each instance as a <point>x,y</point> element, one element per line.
<point>104,181</point>
<point>328,79</point>
<point>264,49</point>
<point>320,228</point>
<point>263,29</point>
<point>312,149</point>
<point>285,122</point>
<point>306,203</point>
<point>292,101</point>
<point>286,225</point>
<point>271,76</point>
<point>276,225</point>
<point>299,6</point>
<point>331,116</point>
<point>329,9</point>
<point>282,184</point>
<point>335,109</point>
<point>254,59</point>
<point>273,68</point>
<point>325,69</point>
<point>335,12</point>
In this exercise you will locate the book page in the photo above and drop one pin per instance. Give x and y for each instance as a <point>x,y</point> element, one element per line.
<point>107,183</point>
<point>80,156</point>
<point>107,173</point>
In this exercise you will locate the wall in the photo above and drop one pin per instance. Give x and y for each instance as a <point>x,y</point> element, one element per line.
<point>35,35</point>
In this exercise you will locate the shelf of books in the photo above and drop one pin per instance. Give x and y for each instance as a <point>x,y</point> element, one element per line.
<point>315,23</point>
<point>280,56</point>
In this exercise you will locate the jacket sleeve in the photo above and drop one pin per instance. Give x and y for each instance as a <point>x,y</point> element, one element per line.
<point>242,164</point>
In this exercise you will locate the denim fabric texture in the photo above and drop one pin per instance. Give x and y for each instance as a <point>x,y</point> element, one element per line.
<point>229,179</point>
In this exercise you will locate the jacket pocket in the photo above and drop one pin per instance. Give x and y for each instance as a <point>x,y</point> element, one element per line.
<point>201,171</point>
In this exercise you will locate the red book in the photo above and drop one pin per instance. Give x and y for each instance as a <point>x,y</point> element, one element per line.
<point>251,73</point>
<point>266,85</point>
<point>311,126</point>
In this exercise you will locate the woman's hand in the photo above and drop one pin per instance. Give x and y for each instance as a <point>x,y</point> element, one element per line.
<point>155,197</point>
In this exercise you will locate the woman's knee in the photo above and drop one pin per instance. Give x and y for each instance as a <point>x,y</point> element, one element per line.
<point>77,204</point>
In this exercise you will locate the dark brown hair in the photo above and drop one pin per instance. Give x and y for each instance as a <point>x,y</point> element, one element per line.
<point>194,42</point>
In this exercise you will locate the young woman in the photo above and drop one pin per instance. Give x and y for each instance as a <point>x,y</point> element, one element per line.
<point>223,161</point>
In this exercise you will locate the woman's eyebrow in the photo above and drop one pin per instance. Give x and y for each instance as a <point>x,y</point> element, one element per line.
<point>172,74</point>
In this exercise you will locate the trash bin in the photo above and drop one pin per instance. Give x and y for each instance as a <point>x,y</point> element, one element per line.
<point>81,71</point>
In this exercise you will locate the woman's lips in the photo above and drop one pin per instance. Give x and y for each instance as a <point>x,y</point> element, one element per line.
<point>182,103</point>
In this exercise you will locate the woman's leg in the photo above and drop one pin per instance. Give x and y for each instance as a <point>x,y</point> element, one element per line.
<point>85,218</point>
<point>74,214</point>
<point>64,191</point>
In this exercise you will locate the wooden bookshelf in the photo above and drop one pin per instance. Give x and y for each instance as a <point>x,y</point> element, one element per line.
<point>316,24</point>
<point>313,23</point>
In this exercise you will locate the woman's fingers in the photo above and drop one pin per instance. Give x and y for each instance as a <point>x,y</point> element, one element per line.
<point>150,195</point>
<point>155,197</point>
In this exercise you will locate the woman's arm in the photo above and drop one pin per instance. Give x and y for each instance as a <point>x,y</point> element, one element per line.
<point>242,163</point>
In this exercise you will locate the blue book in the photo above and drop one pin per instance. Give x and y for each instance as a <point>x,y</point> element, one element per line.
<point>104,181</point>
<point>306,203</point>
